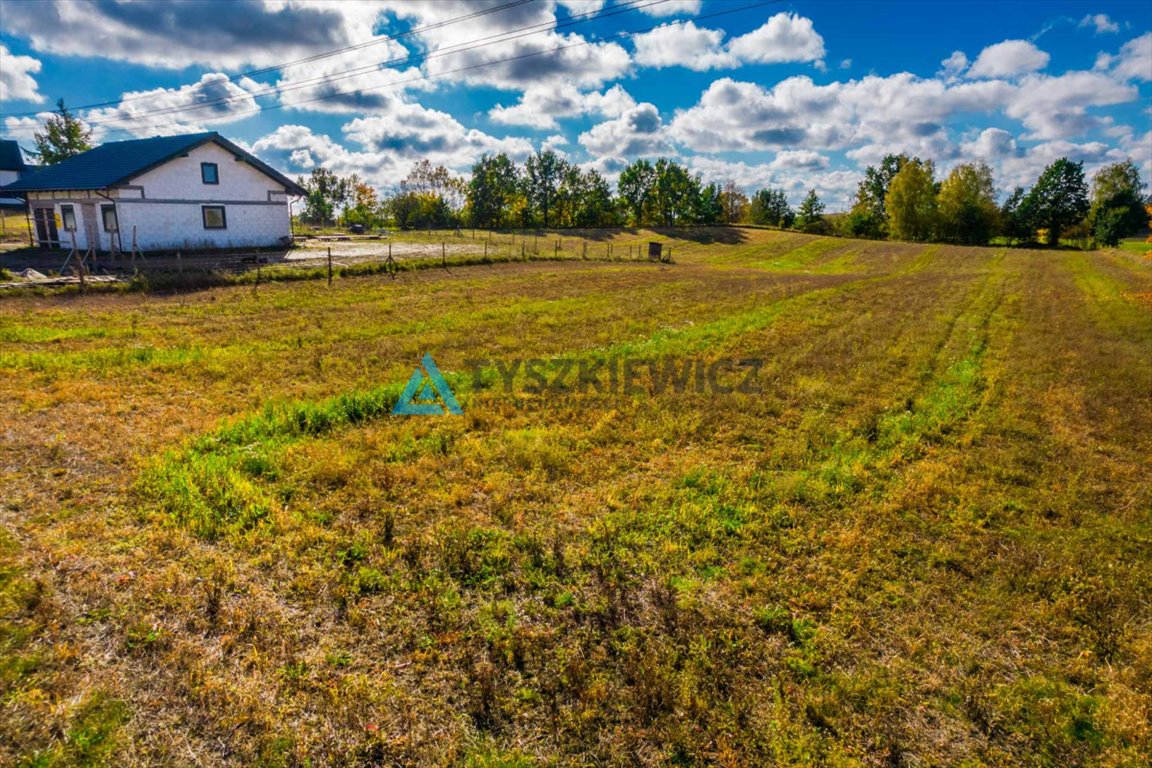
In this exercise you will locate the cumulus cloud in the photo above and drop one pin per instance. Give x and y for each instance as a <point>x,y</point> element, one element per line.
<point>16,77</point>
<point>214,100</point>
<point>639,131</point>
<point>953,66</point>
<point>388,144</point>
<point>1134,62</point>
<point>799,158</point>
<point>672,8</point>
<point>220,33</point>
<point>785,37</point>
<point>1101,22</point>
<point>539,107</point>
<point>1008,59</point>
<point>543,56</point>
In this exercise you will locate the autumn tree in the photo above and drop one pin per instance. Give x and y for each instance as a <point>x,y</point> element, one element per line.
<point>966,205</point>
<point>64,136</point>
<point>869,217</point>
<point>733,202</point>
<point>911,202</point>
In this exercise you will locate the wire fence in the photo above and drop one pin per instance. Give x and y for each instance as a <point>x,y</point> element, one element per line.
<point>328,256</point>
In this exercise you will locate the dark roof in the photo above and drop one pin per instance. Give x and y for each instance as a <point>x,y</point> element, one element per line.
<point>11,158</point>
<point>118,162</point>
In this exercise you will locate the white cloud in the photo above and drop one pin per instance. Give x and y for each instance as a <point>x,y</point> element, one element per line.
<point>672,8</point>
<point>1134,61</point>
<point>683,45</point>
<point>785,37</point>
<point>638,132</point>
<point>1101,22</point>
<point>799,158</point>
<point>540,106</point>
<point>16,77</point>
<point>953,66</point>
<point>226,34</point>
<point>389,144</point>
<point>168,111</point>
<point>1008,59</point>
<point>576,7</point>
<point>1057,107</point>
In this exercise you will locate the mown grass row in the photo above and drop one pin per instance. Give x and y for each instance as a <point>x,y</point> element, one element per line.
<point>219,483</point>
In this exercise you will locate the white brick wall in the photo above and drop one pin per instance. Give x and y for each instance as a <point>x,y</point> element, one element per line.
<point>172,225</point>
<point>165,205</point>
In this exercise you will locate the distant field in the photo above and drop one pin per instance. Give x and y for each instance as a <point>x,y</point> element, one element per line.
<point>926,541</point>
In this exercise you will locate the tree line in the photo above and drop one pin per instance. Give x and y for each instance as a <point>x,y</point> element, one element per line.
<point>900,199</point>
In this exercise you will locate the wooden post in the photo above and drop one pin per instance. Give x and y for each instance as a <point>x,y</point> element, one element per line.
<point>443,254</point>
<point>585,254</point>
<point>523,253</point>
<point>485,251</point>
<point>556,253</point>
<point>536,245</point>
<point>329,267</point>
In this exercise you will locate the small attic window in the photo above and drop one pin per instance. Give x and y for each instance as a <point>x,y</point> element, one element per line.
<point>209,173</point>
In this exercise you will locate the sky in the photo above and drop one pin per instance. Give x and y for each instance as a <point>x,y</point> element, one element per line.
<point>796,95</point>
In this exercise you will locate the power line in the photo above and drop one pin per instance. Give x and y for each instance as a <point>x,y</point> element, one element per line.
<point>503,37</point>
<point>424,77</point>
<point>318,56</point>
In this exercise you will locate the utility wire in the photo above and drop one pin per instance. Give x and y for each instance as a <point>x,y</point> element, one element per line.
<point>318,56</point>
<point>503,37</point>
<point>424,77</point>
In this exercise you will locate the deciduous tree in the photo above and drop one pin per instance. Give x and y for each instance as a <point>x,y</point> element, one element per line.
<point>1060,198</point>
<point>64,136</point>
<point>911,202</point>
<point>967,205</point>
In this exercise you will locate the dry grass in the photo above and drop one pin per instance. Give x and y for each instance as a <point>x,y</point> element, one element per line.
<point>926,542</point>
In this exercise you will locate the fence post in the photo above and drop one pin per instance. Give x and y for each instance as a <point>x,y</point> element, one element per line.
<point>557,251</point>
<point>443,254</point>
<point>485,251</point>
<point>523,251</point>
<point>329,267</point>
<point>585,254</point>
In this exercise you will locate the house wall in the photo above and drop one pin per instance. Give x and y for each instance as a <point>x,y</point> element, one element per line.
<point>165,207</point>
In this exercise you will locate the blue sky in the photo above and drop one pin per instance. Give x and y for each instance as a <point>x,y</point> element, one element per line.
<point>792,94</point>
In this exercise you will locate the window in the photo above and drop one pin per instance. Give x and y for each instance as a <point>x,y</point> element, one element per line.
<point>214,217</point>
<point>209,173</point>
<point>68,217</point>
<point>108,215</point>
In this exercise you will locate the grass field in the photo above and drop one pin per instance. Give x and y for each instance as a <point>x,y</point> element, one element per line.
<point>926,541</point>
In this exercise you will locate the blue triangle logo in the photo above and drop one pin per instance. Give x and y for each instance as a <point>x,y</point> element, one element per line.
<point>427,393</point>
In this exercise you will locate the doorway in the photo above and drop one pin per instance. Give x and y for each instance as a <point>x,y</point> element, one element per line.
<point>46,234</point>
